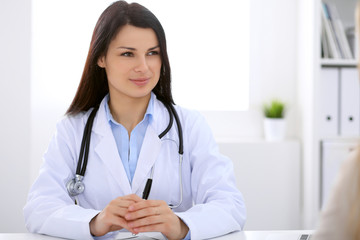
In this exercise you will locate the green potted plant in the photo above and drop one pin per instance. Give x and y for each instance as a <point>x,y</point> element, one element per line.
<point>274,121</point>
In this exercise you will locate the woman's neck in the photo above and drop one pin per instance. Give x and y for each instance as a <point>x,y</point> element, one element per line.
<point>128,111</point>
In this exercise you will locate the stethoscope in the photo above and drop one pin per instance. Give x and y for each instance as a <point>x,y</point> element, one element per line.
<point>75,186</point>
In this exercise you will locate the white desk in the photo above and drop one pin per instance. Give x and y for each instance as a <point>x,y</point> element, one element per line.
<point>245,235</point>
<point>264,235</point>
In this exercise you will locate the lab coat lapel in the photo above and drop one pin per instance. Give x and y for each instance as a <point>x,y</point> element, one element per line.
<point>111,158</point>
<point>106,149</point>
<point>149,153</point>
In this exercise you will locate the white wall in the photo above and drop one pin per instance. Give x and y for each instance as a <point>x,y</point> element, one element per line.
<point>273,70</point>
<point>15,112</point>
<point>272,74</point>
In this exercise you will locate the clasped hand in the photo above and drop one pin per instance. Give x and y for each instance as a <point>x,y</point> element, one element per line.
<point>138,215</point>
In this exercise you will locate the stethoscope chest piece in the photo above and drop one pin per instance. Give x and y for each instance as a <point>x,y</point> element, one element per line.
<point>75,186</point>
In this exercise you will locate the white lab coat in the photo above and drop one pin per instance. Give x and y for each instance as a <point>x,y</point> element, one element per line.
<point>212,205</point>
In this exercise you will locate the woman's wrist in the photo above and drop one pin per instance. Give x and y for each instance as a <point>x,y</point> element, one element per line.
<point>92,226</point>
<point>184,229</point>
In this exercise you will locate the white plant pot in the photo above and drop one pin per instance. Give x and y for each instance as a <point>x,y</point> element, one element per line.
<point>274,129</point>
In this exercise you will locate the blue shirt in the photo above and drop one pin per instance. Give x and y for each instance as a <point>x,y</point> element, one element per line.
<point>129,147</point>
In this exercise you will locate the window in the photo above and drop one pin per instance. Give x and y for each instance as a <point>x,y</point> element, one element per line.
<point>208,46</point>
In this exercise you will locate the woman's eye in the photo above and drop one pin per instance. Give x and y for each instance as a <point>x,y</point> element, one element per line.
<point>127,54</point>
<point>153,53</point>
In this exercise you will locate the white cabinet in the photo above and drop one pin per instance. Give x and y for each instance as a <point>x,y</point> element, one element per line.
<point>333,153</point>
<point>268,175</point>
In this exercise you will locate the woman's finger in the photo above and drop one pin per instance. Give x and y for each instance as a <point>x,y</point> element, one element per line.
<point>111,218</point>
<point>146,204</point>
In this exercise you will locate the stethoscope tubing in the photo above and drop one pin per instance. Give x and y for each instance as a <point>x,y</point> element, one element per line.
<point>85,144</point>
<point>180,132</point>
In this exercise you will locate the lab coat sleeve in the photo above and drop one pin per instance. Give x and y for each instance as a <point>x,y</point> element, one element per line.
<point>49,209</point>
<point>218,205</point>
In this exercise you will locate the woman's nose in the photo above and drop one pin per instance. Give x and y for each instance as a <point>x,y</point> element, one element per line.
<point>141,65</point>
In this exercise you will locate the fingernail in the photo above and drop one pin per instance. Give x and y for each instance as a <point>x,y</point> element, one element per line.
<point>127,216</point>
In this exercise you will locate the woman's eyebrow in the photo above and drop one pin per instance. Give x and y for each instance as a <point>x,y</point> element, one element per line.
<point>134,49</point>
<point>153,48</point>
<point>128,48</point>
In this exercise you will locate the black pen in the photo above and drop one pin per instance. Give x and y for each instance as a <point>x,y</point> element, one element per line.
<point>147,189</point>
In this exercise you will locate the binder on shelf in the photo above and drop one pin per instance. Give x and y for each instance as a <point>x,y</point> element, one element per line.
<point>329,102</point>
<point>324,45</point>
<point>339,32</point>
<point>349,103</point>
<point>334,40</point>
<point>329,33</point>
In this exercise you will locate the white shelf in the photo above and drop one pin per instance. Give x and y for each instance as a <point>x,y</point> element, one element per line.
<point>341,139</point>
<point>330,62</point>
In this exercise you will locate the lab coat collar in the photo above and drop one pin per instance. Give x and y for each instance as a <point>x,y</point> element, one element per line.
<point>160,118</point>
<point>158,121</point>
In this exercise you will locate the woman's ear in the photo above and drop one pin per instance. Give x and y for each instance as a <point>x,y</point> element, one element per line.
<point>101,62</point>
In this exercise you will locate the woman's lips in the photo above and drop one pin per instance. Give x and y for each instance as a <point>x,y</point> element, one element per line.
<point>140,81</point>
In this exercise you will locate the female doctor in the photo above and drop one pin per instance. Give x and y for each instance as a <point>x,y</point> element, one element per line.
<point>134,134</point>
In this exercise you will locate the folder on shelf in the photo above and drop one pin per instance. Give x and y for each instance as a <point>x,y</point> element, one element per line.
<point>329,102</point>
<point>349,103</point>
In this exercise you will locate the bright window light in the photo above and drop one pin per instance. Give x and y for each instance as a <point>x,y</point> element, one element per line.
<point>208,47</point>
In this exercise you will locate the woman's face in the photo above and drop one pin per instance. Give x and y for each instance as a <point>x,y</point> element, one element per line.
<point>132,63</point>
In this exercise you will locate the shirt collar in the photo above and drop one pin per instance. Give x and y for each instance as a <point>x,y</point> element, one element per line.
<point>148,114</point>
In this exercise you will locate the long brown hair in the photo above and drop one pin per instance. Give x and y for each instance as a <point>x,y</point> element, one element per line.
<point>94,84</point>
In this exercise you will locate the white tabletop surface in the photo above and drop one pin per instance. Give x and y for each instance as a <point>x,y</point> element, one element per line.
<point>245,235</point>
